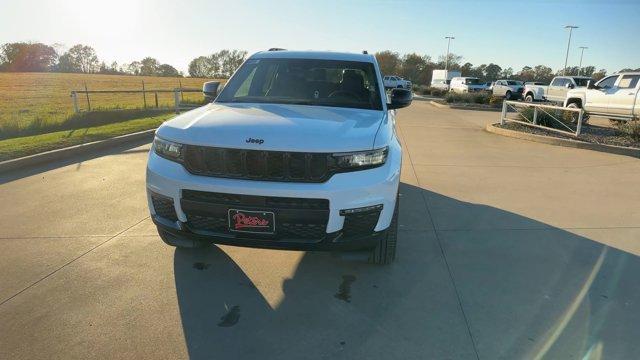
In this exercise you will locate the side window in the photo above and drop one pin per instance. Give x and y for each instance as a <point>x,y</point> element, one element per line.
<point>607,83</point>
<point>557,82</point>
<point>629,81</point>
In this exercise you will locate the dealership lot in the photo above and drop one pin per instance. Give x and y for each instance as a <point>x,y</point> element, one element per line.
<point>507,249</point>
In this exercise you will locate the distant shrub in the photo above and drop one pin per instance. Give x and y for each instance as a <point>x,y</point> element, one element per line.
<point>630,129</point>
<point>560,122</point>
<point>437,92</point>
<point>468,98</point>
<point>495,100</point>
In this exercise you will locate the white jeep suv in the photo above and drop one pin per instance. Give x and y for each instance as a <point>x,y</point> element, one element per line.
<point>299,151</point>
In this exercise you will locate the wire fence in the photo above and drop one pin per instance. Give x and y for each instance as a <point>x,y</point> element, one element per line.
<point>564,120</point>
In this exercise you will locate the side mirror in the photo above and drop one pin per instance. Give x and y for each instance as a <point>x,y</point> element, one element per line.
<point>400,98</point>
<point>569,86</point>
<point>210,90</point>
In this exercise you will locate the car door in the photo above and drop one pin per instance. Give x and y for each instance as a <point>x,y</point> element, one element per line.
<point>597,100</point>
<point>557,90</point>
<point>622,96</point>
<point>498,88</point>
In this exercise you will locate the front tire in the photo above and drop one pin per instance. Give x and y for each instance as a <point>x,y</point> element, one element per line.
<point>179,242</point>
<point>574,117</point>
<point>385,252</point>
<point>507,95</point>
<point>528,98</point>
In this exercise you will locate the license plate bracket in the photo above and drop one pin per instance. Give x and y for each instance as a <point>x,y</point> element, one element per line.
<point>251,221</point>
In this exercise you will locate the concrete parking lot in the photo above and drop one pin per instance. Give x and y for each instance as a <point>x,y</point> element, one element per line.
<point>507,249</point>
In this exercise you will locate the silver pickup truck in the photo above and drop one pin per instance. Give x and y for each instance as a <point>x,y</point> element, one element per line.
<point>556,92</point>
<point>615,96</point>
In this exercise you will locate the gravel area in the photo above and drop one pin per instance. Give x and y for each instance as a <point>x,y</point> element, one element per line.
<point>590,133</point>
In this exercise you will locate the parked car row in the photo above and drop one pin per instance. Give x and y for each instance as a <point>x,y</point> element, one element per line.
<point>615,96</point>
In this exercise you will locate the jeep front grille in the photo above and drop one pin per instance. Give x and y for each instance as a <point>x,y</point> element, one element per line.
<point>258,164</point>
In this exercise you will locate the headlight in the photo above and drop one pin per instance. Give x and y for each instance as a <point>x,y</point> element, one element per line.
<point>168,149</point>
<point>370,158</point>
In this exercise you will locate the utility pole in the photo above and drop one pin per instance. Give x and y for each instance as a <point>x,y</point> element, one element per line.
<point>446,60</point>
<point>581,54</point>
<point>566,58</point>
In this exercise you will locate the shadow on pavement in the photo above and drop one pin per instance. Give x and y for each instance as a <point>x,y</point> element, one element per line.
<point>535,292</point>
<point>116,150</point>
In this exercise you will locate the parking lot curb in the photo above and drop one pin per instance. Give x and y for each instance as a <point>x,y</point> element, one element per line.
<point>64,153</point>
<point>612,149</point>
<point>459,107</point>
<point>438,105</point>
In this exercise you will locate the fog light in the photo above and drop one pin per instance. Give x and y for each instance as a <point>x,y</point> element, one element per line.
<point>361,210</point>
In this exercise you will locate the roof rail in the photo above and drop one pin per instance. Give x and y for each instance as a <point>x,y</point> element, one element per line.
<point>276,49</point>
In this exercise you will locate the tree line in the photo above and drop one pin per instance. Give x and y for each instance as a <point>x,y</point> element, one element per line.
<point>419,68</point>
<point>38,57</point>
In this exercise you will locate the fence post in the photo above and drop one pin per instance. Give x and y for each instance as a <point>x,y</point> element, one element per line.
<point>156,94</point>
<point>504,113</point>
<point>144,95</point>
<point>74,98</point>
<point>176,99</point>
<point>535,115</point>
<point>86,92</point>
<point>181,93</point>
<point>579,127</point>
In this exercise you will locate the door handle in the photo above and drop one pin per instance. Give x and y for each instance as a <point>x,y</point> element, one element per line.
<point>631,93</point>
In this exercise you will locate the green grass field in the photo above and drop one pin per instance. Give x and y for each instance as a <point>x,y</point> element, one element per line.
<point>38,100</point>
<point>29,145</point>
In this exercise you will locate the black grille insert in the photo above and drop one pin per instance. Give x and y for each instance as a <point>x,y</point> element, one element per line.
<point>164,207</point>
<point>259,165</point>
<point>359,224</point>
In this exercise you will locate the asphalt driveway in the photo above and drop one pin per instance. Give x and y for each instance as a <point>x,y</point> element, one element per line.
<point>507,249</point>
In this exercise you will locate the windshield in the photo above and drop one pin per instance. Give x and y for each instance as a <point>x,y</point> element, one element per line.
<point>471,81</point>
<point>305,82</point>
<point>512,82</point>
<point>581,81</point>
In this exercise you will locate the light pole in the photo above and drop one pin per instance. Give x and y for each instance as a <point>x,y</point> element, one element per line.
<point>581,54</point>
<point>566,58</point>
<point>446,60</point>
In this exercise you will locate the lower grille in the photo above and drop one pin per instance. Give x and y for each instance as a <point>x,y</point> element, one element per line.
<point>295,218</point>
<point>215,224</point>
<point>163,206</point>
<point>359,224</point>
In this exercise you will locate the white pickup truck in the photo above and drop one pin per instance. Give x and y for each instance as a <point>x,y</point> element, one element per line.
<point>396,82</point>
<point>556,92</point>
<point>615,96</point>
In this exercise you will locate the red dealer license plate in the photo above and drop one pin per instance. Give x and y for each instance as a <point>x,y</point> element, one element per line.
<point>262,222</point>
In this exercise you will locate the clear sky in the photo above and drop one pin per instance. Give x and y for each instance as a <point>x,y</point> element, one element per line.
<point>514,33</point>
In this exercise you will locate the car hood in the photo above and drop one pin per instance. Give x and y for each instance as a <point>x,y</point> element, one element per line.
<point>276,127</point>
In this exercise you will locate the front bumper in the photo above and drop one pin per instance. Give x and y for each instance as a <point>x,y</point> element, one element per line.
<point>331,242</point>
<point>377,186</point>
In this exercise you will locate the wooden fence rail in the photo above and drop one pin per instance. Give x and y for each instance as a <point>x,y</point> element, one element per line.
<point>178,96</point>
